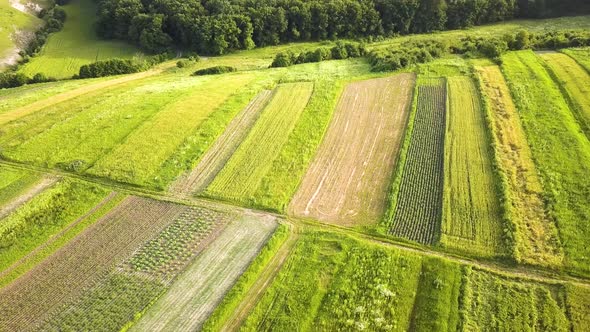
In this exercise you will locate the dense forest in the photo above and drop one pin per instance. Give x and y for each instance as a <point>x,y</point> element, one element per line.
<point>217,26</point>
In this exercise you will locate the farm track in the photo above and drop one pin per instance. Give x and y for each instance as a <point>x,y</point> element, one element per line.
<point>526,272</point>
<point>196,293</point>
<point>223,148</point>
<point>348,182</point>
<point>45,183</point>
<point>82,262</point>
<point>62,97</point>
<point>256,292</point>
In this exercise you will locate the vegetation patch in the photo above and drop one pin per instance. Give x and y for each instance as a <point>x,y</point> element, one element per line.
<point>418,210</point>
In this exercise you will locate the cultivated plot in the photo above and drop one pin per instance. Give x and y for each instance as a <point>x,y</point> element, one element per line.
<point>536,238</point>
<point>240,177</point>
<point>471,208</point>
<point>221,151</point>
<point>575,81</point>
<point>196,293</point>
<point>348,181</point>
<point>139,157</point>
<point>581,55</point>
<point>418,211</point>
<point>560,149</point>
<point>78,265</point>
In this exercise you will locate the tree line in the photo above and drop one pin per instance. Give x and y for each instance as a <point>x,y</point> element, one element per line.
<point>219,26</point>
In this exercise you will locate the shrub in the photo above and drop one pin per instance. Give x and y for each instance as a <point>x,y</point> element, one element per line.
<point>283,60</point>
<point>111,67</point>
<point>340,51</point>
<point>215,70</point>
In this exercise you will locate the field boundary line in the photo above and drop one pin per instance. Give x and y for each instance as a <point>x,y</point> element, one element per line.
<point>26,196</point>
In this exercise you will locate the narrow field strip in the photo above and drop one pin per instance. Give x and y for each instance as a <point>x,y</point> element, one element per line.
<point>418,213</point>
<point>24,197</point>
<point>581,55</point>
<point>349,179</point>
<point>224,147</point>
<point>575,80</point>
<point>196,293</point>
<point>536,237</point>
<point>472,218</point>
<point>240,177</point>
<point>78,265</point>
<point>560,149</point>
<point>41,104</point>
<point>13,183</point>
<point>138,159</point>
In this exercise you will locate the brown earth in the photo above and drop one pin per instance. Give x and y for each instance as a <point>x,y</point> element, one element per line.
<point>348,181</point>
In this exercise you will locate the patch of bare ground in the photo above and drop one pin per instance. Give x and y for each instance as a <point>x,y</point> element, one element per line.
<point>348,181</point>
<point>19,201</point>
<point>221,151</point>
<point>77,266</point>
<point>196,293</point>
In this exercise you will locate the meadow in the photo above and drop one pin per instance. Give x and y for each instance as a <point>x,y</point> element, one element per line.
<point>76,44</point>
<point>15,28</point>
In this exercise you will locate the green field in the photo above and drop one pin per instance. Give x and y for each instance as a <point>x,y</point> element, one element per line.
<point>471,209</point>
<point>581,55</point>
<point>15,29</point>
<point>418,211</point>
<point>76,45</point>
<point>560,150</point>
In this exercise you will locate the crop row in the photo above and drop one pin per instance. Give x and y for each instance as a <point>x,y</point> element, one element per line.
<point>419,207</point>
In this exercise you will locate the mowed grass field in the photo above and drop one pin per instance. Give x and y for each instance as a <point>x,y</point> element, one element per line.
<point>536,240</point>
<point>560,150</point>
<point>76,45</point>
<point>348,181</point>
<point>471,207</point>
<point>575,80</point>
<point>419,202</point>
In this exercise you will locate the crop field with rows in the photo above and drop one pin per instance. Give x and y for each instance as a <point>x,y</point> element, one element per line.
<point>560,150</point>
<point>471,207</point>
<point>349,179</point>
<point>418,211</point>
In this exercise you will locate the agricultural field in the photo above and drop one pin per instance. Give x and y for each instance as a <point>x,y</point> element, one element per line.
<point>348,181</point>
<point>581,55</point>
<point>536,238</point>
<point>76,44</point>
<point>560,151</point>
<point>575,80</point>
<point>471,208</point>
<point>419,203</point>
<point>241,176</point>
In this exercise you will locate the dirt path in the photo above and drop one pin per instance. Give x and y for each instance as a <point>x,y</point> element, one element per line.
<point>223,148</point>
<point>197,292</point>
<point>53,100</point>
<point>348,181</point>
<point>257,290</point>
<point>45,183</point>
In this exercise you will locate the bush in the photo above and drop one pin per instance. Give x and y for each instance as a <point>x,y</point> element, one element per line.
<point>13,80</point>
<point>111,67</point>
<point>283,60</point>
<point>340,51</point>
<point>215,70</point>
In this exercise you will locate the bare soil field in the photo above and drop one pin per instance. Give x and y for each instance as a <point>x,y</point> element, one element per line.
<point>82,262</point>
<point>196,293</point>
<point>223,148</point>
<point>349,180</point>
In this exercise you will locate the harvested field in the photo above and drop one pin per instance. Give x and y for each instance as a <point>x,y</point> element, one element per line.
<point>537,241</point>
<point>241,176</point>
<point>575,81</point>
<point>82,262</point>
<point>472,218</point>
<point>196,293</point>
<point>419,205</point>
<point>217,156</point>
<point>13,183</point>
<point>348,181</point>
